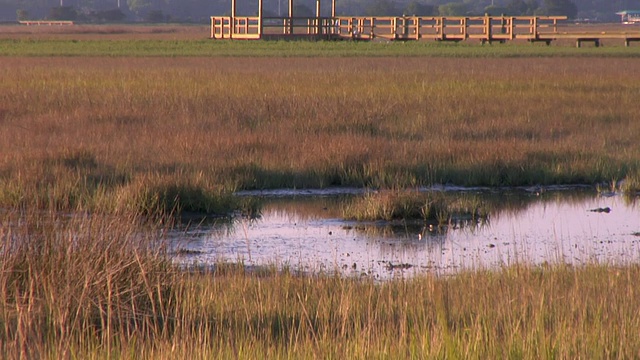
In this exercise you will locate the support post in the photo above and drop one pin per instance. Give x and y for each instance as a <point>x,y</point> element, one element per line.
<point>489,28</point>
<point>260,19</point>
<point>317,22</point>
<point>333,9</point>
<point>511,28</point>
<point>290,17</point>
<point>394,28</point>
<point>232,21</point>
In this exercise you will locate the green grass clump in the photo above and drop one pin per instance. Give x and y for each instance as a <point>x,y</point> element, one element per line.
<point>413,205</point>
<point>102,191</point>
<point>631,184</point>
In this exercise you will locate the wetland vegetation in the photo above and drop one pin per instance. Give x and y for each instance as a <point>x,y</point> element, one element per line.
<point>138,133</point>
<point>152,133</point>
<point>92,287</point>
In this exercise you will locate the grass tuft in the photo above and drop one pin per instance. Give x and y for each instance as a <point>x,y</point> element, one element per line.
<point>413,205</point>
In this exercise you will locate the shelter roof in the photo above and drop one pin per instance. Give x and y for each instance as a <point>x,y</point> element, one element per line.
<point>629,12</point>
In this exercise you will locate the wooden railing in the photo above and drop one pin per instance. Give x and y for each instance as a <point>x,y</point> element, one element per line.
<point>45,22</point>
<point>485,28</point>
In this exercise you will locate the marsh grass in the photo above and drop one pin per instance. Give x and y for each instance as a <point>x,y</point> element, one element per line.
<point>160,134</point>
<point>128,138</point>
<point>75,282</point>
<point>165,43</point>
<point>414,205</point>
<point>86,287</point>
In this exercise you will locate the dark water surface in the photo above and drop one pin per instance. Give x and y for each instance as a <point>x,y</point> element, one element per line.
<point>304,230</point>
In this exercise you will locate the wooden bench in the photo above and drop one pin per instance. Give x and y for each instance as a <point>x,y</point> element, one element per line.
<point>629,40</point>
<point>594,40</point>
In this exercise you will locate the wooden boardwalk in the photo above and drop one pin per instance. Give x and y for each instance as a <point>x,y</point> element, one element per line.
<point>482,28</point>
<point>46,22</point>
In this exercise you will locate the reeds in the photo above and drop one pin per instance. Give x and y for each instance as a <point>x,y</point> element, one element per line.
<point>79,282</point>
<point>433,207</point>
<point>95,130</point>
<point>85,287</point>
<point>122,139</point>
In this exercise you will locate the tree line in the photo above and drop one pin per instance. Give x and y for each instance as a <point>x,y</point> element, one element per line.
<point>197,11</point>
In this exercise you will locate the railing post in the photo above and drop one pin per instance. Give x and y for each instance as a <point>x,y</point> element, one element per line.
<point>260,19</point>
<point>511,28</point>
<point>394,27</point>
<point>489,34</point>
<point>232,21</point>
<point>405,28</point>
<point>317,22</point>
<point>290,28</point>
<point>464,22</point>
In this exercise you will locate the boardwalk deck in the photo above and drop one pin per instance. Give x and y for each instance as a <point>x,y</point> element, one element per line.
<point>46,22</point>
<point>482,28</point>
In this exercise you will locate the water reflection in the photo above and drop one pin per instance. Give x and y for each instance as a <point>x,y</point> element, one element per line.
<point>307,233</point>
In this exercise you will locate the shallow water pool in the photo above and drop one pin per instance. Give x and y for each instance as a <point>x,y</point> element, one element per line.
<point>305,232</point>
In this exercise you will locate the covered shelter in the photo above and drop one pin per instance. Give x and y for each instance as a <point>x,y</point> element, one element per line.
<point>629,16</point>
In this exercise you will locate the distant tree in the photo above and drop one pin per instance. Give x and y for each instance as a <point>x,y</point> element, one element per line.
<point>113,15</point>
<point>155,16</point>
<point>520,7</point>
<point>382,8</point>
<point>62,13</point>
<point>495,10</point>
<point>453,9</point>
<point>302,11</point>
<point>22,14</point>
<point>140,7</point>
<point>532,6</point>
<point>419,9</point>
<point>559,7</point>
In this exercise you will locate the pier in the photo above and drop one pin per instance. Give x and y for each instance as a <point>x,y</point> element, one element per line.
<point>483,28</point>
<point>486,29</point>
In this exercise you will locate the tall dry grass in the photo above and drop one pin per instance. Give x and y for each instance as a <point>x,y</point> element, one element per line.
<point>147,136</point>
<point>101,131</point>
<point>93,287</point>
<point>73,283</point>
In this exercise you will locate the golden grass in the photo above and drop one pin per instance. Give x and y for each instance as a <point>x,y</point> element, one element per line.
<point>95,131</point>
<point>142,136</point>
<point>92,287</point>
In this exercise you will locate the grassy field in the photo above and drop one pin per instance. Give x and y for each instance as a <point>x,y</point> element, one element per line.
<point>174,40</point>
<point>308,49</point>
<point>143,134</point>
<point>115,126</point>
